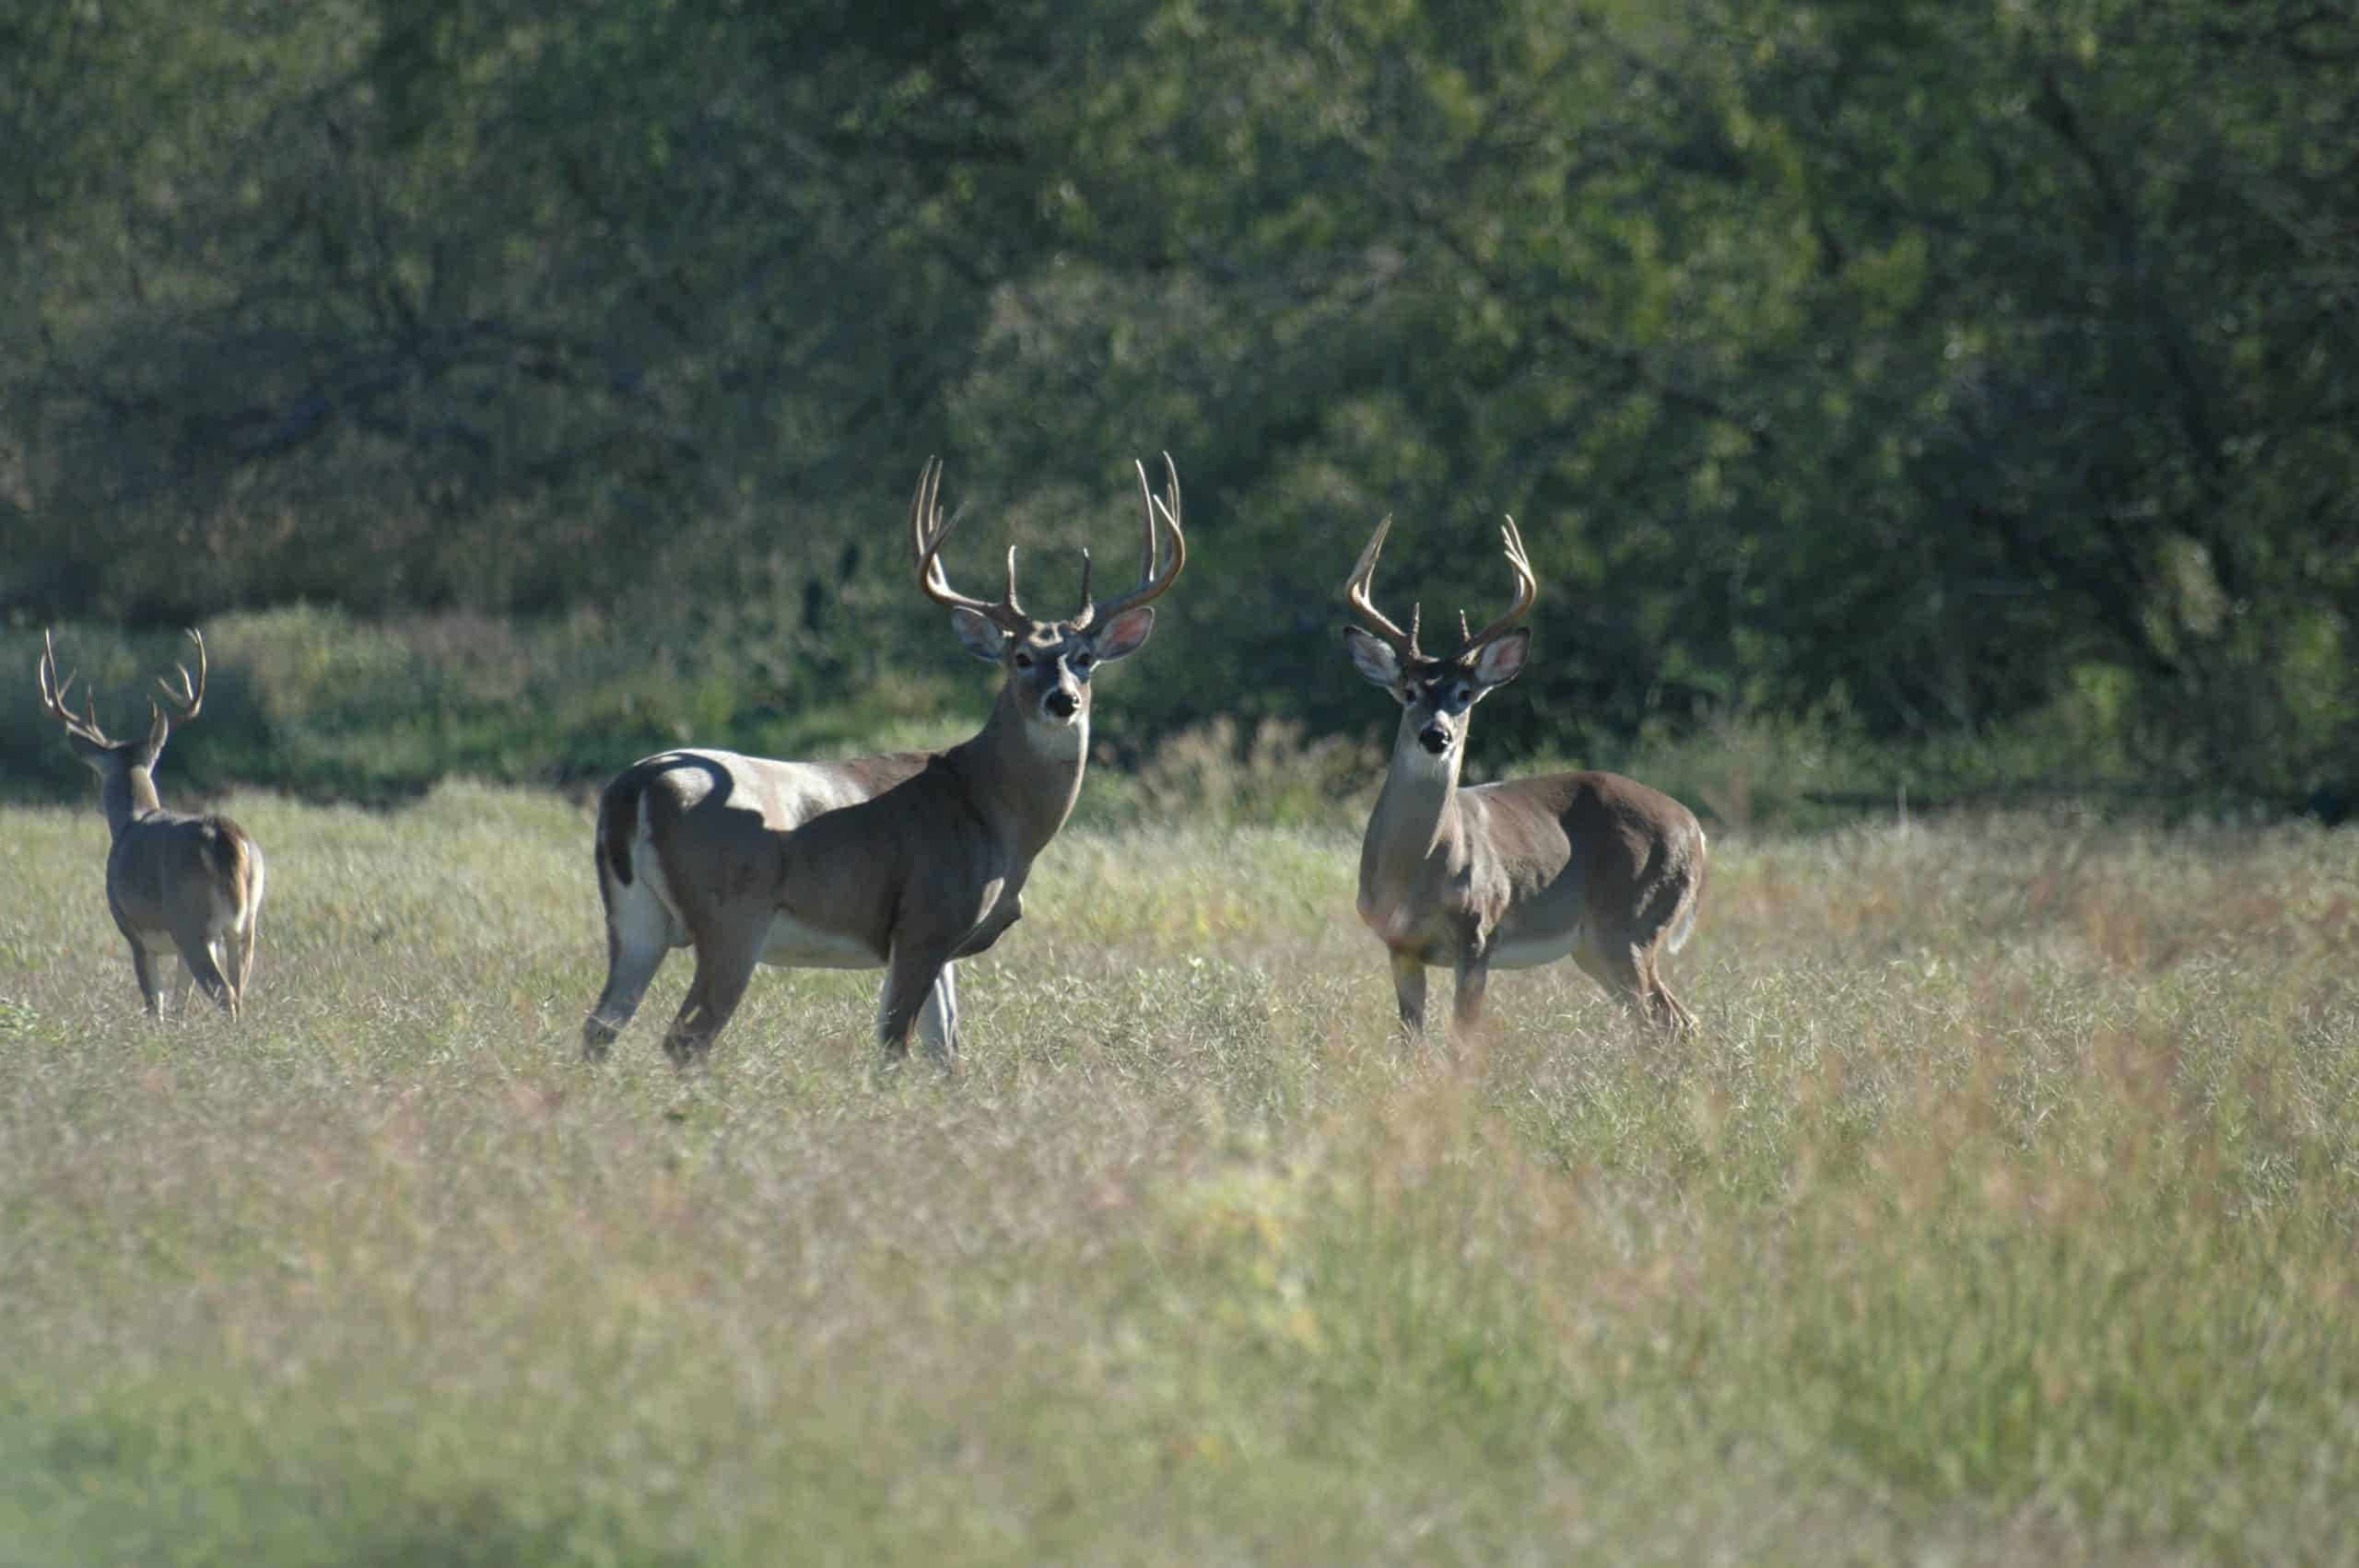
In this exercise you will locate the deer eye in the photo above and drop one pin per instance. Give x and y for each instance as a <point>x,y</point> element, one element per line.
<point>1081,661</point>
<point>1023,660</point>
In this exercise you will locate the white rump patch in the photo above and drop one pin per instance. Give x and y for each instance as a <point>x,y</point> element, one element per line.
<point>254,900</point>
<point>645,917</point>
<point>1686,923</point>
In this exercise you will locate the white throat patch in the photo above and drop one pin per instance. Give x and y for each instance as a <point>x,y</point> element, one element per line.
<point>1413,761</point>
<point>1061,740</point>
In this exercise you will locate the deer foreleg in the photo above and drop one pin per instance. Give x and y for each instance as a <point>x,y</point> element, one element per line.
<point>994,925</point>
<point>915,976</point>
<point>1409,989</point>
<point>1466,1002</point>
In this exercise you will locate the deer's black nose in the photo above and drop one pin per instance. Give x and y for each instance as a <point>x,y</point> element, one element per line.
<point>1434,738</point>
<point>1062,704</point>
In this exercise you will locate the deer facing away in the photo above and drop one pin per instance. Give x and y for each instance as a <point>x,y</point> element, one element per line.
<point>1517,873</point>
<point>176,883</point>
<point>908,861</point>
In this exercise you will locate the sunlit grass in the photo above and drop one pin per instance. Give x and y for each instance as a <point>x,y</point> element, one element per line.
<point>2003,1212</point>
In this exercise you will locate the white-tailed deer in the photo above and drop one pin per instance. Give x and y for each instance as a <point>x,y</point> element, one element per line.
<point>176,883</point>
<point>906,861</point>
<point>1510,875</point>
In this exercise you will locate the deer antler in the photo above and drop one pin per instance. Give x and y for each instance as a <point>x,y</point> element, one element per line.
<point>52,699</point>
<point>1152,584</point>
<point>191,696</point>
<point>927,530</point>
<point>1527,589</point>
<point>1355,594</point>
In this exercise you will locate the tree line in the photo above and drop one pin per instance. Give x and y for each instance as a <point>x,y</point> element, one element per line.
<point>1936,370</point>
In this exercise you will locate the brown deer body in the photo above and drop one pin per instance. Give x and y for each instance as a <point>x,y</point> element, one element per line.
<point>1590,866</point>
<point>906,862</point>
<point>177,884</point>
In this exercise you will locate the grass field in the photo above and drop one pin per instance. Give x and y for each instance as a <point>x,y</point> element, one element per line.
<point>2003,1212</point>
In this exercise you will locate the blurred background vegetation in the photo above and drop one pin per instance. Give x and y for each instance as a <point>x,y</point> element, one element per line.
<point>1955,396</point>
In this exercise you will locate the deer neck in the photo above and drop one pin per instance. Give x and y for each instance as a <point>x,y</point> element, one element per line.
<point>1025,777</point>
<point>1416,821</point>
<point>126,794</point>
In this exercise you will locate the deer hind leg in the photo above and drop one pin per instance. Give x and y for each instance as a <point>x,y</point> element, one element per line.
<point>638,938</point>
<point>245,941</point>
<point>1626,969</point>
<point>1664,926</point>
<point>1663,1009</point>
<point>1613,964</point>
<point>724,966</point>
<point>249,935</point>
<point>151,987</point>
<point>201,956</point>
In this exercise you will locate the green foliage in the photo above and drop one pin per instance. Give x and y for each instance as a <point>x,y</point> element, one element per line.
<point>328,706</point>
<point>1932,363</point>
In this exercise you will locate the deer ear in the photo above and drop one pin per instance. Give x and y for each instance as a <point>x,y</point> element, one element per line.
<point>1122,636</point>
<point>1374,656</point>
<point>982,638</point>
<point>1501,661</point>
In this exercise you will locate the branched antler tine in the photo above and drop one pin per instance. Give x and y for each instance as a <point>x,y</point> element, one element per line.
<point>928,529</point>
<point>191,696</point>
<point>917,510</point>
<point>1527,590</point>
<point>1355,594</point>
<point>1511,538</point>
<point>1153,579</point>
<point>934,579</point>
<point>54,694</point>
<point>1146,520</point>
<point>1170,510</point>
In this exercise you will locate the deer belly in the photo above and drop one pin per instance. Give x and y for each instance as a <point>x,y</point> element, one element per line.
<point>791,945</point>
<point>1529,950</point>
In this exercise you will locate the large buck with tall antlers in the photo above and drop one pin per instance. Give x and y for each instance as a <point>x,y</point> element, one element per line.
<point>908,861</point>
<point>177,884</point>
<point>1518,873</point>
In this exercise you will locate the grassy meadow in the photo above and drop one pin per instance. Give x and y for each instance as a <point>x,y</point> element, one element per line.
<point>2004,1211</point>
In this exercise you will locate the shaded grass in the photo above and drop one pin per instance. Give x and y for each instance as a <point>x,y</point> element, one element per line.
<point>2003,1212</point>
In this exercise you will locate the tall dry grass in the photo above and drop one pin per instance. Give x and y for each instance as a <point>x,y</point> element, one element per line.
<point>2004,1212</point>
